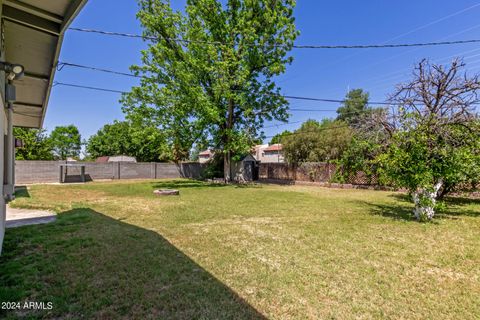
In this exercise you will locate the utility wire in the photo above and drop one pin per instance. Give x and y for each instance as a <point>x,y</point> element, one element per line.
<point>334,100</point>
<point>363,46</point>
<point>313,131</point>
<point>56,83</point>
<point>282,124</point>
<point>61,65</point>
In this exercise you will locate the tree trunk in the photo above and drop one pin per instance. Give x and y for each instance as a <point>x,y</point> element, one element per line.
<point>447,188</point>
<point>227,174</point>
<point>227,155</point>
<point>425,201</point>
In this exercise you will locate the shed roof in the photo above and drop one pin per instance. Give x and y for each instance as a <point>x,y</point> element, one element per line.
<point>33,34</point>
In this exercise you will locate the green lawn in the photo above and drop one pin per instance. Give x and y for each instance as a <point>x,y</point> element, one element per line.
<point>280,252</point>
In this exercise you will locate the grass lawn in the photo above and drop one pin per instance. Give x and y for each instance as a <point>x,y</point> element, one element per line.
<point>280,252</point>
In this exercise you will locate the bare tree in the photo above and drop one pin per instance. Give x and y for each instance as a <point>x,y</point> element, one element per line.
<point>436,118</point>
<point>440,95</point>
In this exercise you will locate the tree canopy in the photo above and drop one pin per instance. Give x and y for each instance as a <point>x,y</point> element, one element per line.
<point>317,141</point>
<point>36,144</point>
<point>66,142</point>
<point>355,105</point>
<point>279,137</point>
<point>209,71</point>
<point>436,144</point>
<point>146,144</point>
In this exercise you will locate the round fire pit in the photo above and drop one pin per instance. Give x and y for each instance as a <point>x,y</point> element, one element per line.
<point>166,192</point>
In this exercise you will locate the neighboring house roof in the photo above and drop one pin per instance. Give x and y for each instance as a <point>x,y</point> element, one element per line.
<point>206,153</point>
<point>274,147</point>
<point>248,157</point>
<point>102,159</point>
<point>34,31</point>
<point>122,158</point>
<point>260,146</point>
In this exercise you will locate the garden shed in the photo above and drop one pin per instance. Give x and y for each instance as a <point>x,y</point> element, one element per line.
<point>245,169</point>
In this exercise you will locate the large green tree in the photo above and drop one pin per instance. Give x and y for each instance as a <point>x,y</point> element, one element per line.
<point>66,142</point>
<point>36,145</point>
<point>317,141</point>
<point>279,137</point>
<point>354,107</point>
<point>436,144</point>
<point>371,133</point>
<point>146,144</point>
<point>208,71</point>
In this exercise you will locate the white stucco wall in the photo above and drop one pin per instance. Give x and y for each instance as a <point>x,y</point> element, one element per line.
<point>3,126</point>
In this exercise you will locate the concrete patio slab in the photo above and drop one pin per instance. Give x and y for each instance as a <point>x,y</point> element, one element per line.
<point>25,217</point>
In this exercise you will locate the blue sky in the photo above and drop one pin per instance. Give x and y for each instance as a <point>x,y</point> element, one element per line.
<point>314,73</point>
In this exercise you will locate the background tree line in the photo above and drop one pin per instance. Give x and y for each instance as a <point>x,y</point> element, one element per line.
<point>62,143</point>
<point>146,144</point>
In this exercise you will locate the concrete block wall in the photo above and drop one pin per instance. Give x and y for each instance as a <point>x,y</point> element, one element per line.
<point>167,170</point>
<point>37,171</point>
<point>136,171</point>
<point>27,172</point>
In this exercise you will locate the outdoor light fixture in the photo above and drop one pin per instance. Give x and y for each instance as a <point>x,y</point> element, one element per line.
<point>15,71</point>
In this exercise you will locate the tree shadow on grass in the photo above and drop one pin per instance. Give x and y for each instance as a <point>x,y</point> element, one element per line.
<point>184,184</point>
<point>92,266</point>
<point>396,212</point>
<point>21,192</point>
<point>455,207</point>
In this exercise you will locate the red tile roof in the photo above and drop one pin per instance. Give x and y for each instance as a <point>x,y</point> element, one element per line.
<point>274,147</point>
<point>102,159</point>
<point>206,153</point>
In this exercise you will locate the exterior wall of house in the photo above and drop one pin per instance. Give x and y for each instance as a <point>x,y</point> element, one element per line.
<point>3,126</point>
<point>265,156</point>
<point>273,157</point>
<point>204,159</point>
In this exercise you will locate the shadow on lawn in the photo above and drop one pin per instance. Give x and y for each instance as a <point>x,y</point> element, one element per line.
<point>92,266</point>
<point>404,209</point>
<point>21,192</point>
<point>183,184</point>
<point>396,212</point>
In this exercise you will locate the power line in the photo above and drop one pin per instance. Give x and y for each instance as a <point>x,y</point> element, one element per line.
<point>334,100</point>
<point>315,130</point>
<point>362,46</point>
<point>61,65</point>
<point>412,31</point>
<point>56,83</point>
<point>86,87</point>
<point>312,110</point>
<point>129,74</point>
<point>282,124</point>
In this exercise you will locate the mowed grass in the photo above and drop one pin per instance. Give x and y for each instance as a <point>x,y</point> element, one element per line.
<point>220,252</point>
